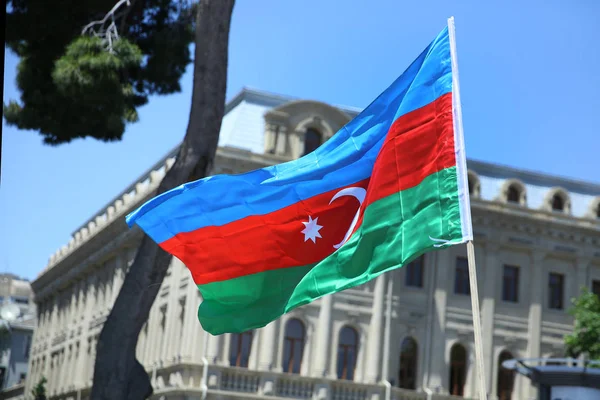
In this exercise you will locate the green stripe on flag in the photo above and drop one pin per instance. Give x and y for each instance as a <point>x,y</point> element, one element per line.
<point>394,231</point>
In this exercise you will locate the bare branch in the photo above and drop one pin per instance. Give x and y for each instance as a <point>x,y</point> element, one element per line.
<point>109,33</point>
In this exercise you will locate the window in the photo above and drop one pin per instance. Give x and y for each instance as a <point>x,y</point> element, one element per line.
<point>506,378</point>
<point>312,140</point>
<point>510,284</point>
<point>293,346</point>
<point>556,284</point>
<point>558,204</point>
<point>461,278</point>
<point>347,353</point>
<point>414,273</point>
<point>514,194</point>
<point>20,300</point>
<point>407,376</point>
<point>458,369</point>
<point>239,349</point>
<point>596,288</point>
<point>22,377</point>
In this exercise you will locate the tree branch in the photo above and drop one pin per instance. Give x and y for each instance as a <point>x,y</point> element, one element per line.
<point>109,34</point>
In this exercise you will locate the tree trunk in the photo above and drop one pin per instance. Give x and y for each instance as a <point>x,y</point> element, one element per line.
<point>118,375</point>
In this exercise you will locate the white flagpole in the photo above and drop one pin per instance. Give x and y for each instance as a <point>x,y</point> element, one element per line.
<point>476,321</point>
<point>387,337</point>
<point>470,247</point>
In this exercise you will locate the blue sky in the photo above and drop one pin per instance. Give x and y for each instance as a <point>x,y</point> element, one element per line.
<point>530,73</point>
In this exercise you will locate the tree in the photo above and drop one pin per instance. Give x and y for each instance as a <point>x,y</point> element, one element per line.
<point>58,65</point>
<point>117,373</point>
<point>586,334</point>
<point>71,87</point>
<point>39,391</point>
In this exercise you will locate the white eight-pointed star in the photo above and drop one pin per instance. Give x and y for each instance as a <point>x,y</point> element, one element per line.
<point>311,230</point>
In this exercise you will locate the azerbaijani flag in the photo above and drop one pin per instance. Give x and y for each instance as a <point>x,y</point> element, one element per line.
<point>388,187</point>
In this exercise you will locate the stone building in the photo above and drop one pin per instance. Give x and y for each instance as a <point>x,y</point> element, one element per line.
<point>17,321</point>
<point>537,242</point>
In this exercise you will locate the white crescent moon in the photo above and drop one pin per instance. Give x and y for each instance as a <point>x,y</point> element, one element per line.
<point>359,194</point>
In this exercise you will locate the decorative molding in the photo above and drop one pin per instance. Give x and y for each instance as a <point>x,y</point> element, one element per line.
<point>520,240</point>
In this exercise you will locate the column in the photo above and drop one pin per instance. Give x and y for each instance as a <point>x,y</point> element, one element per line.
<point>197,341</point>
<point>323,342</point>
<point>170,340</point>
<point>92,364</point>
<point>281,141</point>
<point>492,276</point>
<point>55,325</point>
<point>270,141</point>
<point>268,346</point>
<point>374,341</point>
<point>539,281</point>
<point>582,274</point>
<point>52,374</point>
<point>153,333</point>
<point>189,320</point>
<point>61,370</point>
<point>118,279</point>
<point>438,374</point>
<point>73,305</point>
<point>75,356</point>
<point>213,352</point>
<point>81,378</point>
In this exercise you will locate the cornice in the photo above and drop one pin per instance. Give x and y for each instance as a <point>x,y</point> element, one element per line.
<point>524,229</point>
<point>75,266</point>
<point>532,177</point>
<point>544,218</point>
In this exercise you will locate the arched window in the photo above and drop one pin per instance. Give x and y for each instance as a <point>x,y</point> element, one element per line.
<point>239,349</point>
<point>458,369</point>
<point>312,140</point>
<point>514,194</point>
<point>347,352</point>
<point>506,378</point>
<point>293,346</point>
<point>407,376</point>
<point>558,203</point>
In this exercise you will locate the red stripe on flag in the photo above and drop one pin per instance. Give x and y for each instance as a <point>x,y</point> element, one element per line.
<point>418,144</point>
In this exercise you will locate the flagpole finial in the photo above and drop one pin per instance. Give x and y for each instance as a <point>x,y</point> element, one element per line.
<point>451,21</point>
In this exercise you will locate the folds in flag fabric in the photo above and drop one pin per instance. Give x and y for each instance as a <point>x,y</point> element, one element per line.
<point>388,187</point>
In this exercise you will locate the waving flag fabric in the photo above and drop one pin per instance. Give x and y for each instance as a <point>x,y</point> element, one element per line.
<point>388,187</point>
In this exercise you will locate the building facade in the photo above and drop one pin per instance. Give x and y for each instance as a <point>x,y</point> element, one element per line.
<point>537,242</point>
<point>17,322</point>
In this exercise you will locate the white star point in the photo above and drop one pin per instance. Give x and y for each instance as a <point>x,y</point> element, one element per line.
<point>311,230</point>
